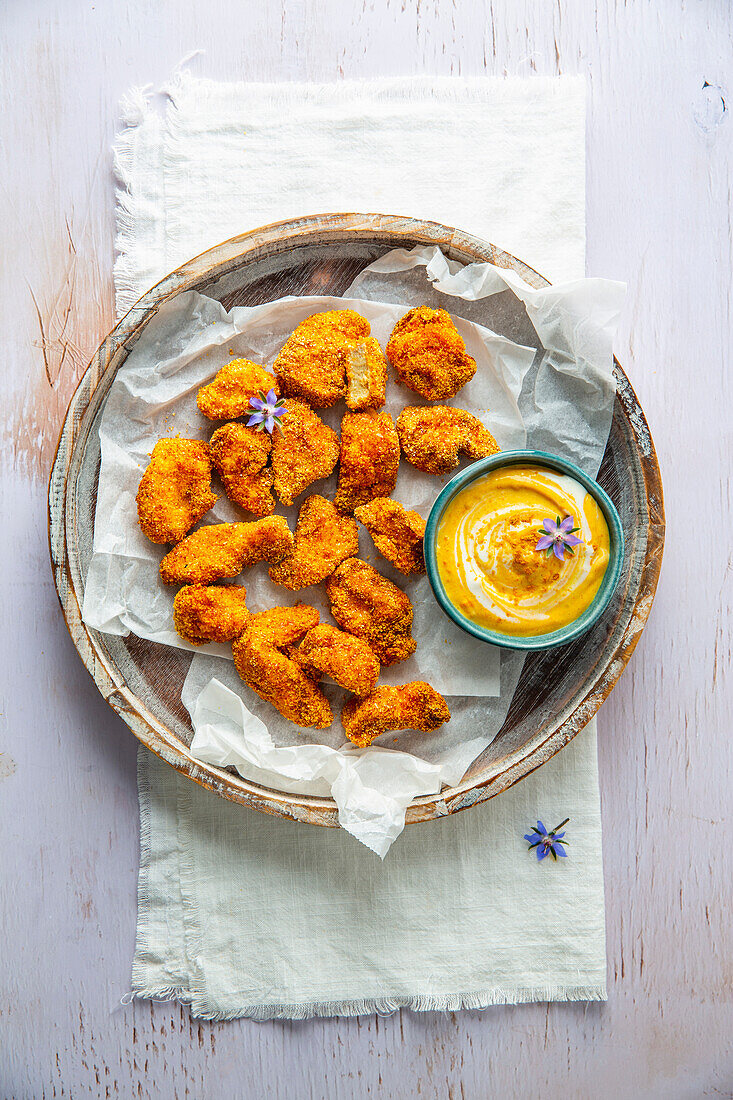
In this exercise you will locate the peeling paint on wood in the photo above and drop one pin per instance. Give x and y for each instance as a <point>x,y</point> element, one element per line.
<point>658,217</point>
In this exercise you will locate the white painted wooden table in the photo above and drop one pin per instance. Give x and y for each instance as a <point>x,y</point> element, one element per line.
<point>659,216</point>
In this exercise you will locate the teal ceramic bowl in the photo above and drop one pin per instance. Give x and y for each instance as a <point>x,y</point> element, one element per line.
<point>608,584</point>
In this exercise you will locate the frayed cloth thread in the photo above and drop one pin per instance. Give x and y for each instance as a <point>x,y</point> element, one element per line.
<point>382,1006</point>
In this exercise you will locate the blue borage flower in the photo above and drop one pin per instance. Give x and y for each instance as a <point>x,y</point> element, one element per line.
<point>545,843</point>
<point>558,536</point>
<point>268,411</point>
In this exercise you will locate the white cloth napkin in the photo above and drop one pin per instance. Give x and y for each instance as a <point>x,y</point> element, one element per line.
<point>243,914</point>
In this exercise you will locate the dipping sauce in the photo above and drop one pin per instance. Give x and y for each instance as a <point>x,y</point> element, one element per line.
<point>487,559</point>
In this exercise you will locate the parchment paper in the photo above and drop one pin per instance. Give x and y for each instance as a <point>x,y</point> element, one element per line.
<point>154,395</point>
<point>562,392</point>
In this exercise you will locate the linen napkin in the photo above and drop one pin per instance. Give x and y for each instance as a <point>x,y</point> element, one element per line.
<point>243,914</point>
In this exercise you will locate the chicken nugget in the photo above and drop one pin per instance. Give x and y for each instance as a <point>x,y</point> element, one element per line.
<point>366,376</point>
<point>225,549</point>
<point>262,658</point>
<point>210,614</point>
<point>414,706</point>
<point>429,354</point>
<point>227,396</point>
<point>240,456</point>
<point>370,459</point>
<point>305,451</point>
<point>175,490</point>
<point>366,604</point>
<point>397,533</point>
<point>312,362</point>
<point>323,539</point>
<point>432,437</point>
<point>348,660</point>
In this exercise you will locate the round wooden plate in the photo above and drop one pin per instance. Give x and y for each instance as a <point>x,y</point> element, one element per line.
<point>558,692</point>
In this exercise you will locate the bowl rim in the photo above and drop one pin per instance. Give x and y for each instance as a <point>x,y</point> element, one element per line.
<point>226,258</point>
<point>600,601</point>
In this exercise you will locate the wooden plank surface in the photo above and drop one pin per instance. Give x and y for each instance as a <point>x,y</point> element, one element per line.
<point>659,199</point>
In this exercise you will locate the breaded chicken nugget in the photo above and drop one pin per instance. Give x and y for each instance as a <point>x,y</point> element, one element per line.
<point>175,490</point>
<point>210,614</point>
<point>240,456</point>
<point>414,706</point>
<point>227,396</point>
<point>370,459</point>
<point>305,451</point>
<point>366,604</point>
<point>263,661</point>
<point>366,376</point>
<point>225,549</point>
<point>323,539</point>
<point>429,354</point>
<point>348,660</point>
<point>432,437</point>
<point>397,533</point>
<point>312,362</point>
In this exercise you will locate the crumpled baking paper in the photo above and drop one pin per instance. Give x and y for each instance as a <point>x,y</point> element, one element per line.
<point>549,386</point>
<point>568,411</point>
<point>372,787</point>
<point>154,395</point>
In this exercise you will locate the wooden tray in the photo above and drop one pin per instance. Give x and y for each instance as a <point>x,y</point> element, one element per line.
<point>558,692</point>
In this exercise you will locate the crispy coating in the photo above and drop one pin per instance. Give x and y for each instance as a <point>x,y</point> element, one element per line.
<point>305,451</point>
<point>414,706</point>
<point>210,614</point>
<point>227,396</point>
<point>429,354</point>
<point>323,539</point>
<point>345,658</point>
<point>397,533</point>
<point>312,362</point>
<point>366,376</point>
<point>175,490</point>
<point>432,437</point>
<point>370,459</point>
<point>240,456</point>
<point>263,659</point>
<point>225,549</point>
<point>366,604</point>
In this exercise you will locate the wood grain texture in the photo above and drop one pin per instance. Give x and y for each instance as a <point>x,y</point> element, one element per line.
<point>659,171</point>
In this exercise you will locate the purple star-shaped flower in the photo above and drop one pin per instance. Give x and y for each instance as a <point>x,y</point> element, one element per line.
<point>558,536</point>
<point>268,412</point>
<point>545,843</point>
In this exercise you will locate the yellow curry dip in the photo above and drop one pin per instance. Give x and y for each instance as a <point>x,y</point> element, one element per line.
<point>487,559</point>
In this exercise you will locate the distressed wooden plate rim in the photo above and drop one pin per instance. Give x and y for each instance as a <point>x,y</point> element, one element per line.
<point>225,259</point>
